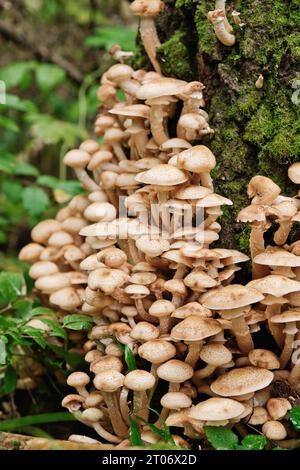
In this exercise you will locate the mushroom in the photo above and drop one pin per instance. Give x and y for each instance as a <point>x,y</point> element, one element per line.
<point>162,310</point>
<point>215,355</point>
<point>220,24</point>
<point>147,10</point>
<point>199,160</point>
<point>216,411</point>
<point>175,372</point>
<point>78,160</point>
<point>274,430</point>
<point>193,330</point>
<point>232,302</point>
<point>262,190</point>
<point>278,407</point>
<point>92,416</point>
<point>290,319</point>
<point>79,380</point>
<point>264,358</point>
<point>140,381</point>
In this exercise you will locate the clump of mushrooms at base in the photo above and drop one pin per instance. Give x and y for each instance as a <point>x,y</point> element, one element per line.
<point>125,255</point>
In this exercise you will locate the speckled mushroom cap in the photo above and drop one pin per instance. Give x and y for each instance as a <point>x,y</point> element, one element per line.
<point>175,371</point>
<point>287,316</point>
<point>191,308</point>
<point>175,400</point>
<point>162,175</point>
<point>231,297</point>
<point>277,257</point>
<point>139,380</point>
<point>157,351</point>
<point>216,409</point>
<point>215,354</point>
<point>106,279</point>
<point>195,328</point>
<point>197,159</point>
<point>275,284</point>
<point>192,192</point>
<point>264,358</point>
<point>241,381</point>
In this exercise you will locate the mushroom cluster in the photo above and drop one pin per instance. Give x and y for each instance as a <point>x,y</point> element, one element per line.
<point>135,254</point>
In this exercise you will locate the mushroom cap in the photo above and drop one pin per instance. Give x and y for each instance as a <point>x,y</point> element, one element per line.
<point>151,246</point>
<point>277,257</point>
<point>264,358</point>
<point>78,379</point>
<point>175,401</point>
<point>235,256</point>
<point>214,200</point>
<point>31,252</point>
<point>139,380</point>
<point>191,308</point>
<point>144,278</point>
<point>157,351</point>
<point>161,308</point>
<point>162,175</point>
<point>164,86</point>
<point>175,143</point>
<point>294,173</point>
<point>199,280</point>
<point>231,297</point>
<point>146,7</point>
<point>119,72</point>
<point>109,381</point>
<point>215,354</point>
<point>241,381</point>
<point>217,409</point>
<point>144,331</point>
<point>197,159</point>
<point>107,279</point>
<point>42,231</point>
<point>67,298</point>
<point>287,316</point>
<point>133,110</point>
<point>53,283</point>
<point>43,268</point>
<point>137,290</point>
<point>77,158</point>
<point>100,211</point>
<point>274,430</point>
<point>195,328</point>
<point>192,192</point>
<point>91,263</point>
<point>275,284</point>
<point>252,213</point>
<point>263,190</point>
<point>175,371</point>
<point>278,407</point>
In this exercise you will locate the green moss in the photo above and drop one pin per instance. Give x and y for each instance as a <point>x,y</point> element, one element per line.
<point>140,60</point>
<point>174,57</point>
<point>184,3</point>
<point>247,103</point>
<point>242,240</point>
<point>260,128</point>
<point>208,42</point>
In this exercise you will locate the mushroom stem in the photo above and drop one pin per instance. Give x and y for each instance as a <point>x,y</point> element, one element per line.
<point>174,387</point>
<point>134,253</point>
<point>218,19</point>
<point>275,329</point>
<point>221,5</point>
<point>205,372</point>
<point>288,347</point>
<point>124,404</point>
<point>193,353</point>
<point>141,404</point>
<point>157,124</point>
<point>150,40</point>
<point>206,180</point>
<point>107,436</point>
<point>242,334</point>
<point>112,403</point>
<point>281,235</point>
<point>143,313</point>
<point>119,152</point>
<point>85,180</point>
<point>257,246</point>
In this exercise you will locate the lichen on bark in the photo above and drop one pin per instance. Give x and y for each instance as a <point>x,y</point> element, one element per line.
<point>256,130</point>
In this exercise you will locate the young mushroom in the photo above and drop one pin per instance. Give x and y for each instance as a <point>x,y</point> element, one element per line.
<point>220,24</point>
<point>140,381</point>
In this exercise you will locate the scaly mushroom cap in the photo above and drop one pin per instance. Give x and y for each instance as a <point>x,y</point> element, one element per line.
<point>294,173</point>
<point>264,358</point>
<point>275,284</point>
<point>241,381</point>
<point>146,7</point>
<point>231,297</point>
<point>161,308</point>
<point>175,401</point>
<point>162,175</point>
<point>287,316</point>
<point>192,192</point>
<point>215,354</point>
<point>157,351</point>
<point>139,380</point>
<point>216,409</point>
<point>175,371</point>
<point>109,381</point>
<point>191,308</point>
<point>106,279</point>
<point>277,257</point>
<point>195,328</point>
<point>198,159</point>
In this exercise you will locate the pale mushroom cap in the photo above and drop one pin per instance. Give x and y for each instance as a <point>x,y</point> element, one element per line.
<point>67,298</point>
<point>175,401</point>
<point>192,192</point>
<point>195,328</point>
<point>197,159</point>
<point>109,381</point>
<point>78,379</point>
<point>152,247</point>
<point>42,268</point>
<point>191,308</point>
<point>274,430</point>
<point>216,409</point>
<point>139,380</point>
<point>164,86</point>
<point>162,175</point>
<point>134,110</point>
<point>137,290</point>
<point>175,143</point>
<point>294,173</point>
<point>241,381</point>
<point>287,316</point>
<point>175,371</point>
<point>264,358</point>
<point>277,257</point>
<point>93,415</point>
<point>42,231</point>
<point>77,158</point>
<point>144,278</point>
<point>278,407</point>
<point>199,280</point>
<point>119,72</point>
<point>215,354</point>
<point>146,7</point>
<point>100,211</point>
<point>231,297</point>
<point>107,279</point>
<point>31,252</point>
<point>52,283</point>
<point>214,200</point>
<point>157,351</point>
<point>144,331</point>
<point>275,284</point>
<point>161,308</point>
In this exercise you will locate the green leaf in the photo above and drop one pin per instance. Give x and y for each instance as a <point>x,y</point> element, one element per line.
<point>134,433</point>
<point>9,124</point>
<point>41,311</point>
<point>295,417</point>
<point>48,181</point>
<point>10,286</point>
<point>49,76</point>
<point>221,438</point>
<point>73,359</point>
<point>11,424</point>
<point>107,36</point>
<point>36,335</point>
<point>12,190</point>
<point>25,169</point>
<point>254,442</point>
<point>52,131</point>
<point>7,163</point>
<point>22,309</point>
<point>129,358</point>
<point>17,73</point>
<point>10,380</point>
<point>153,428</point>
<point>56,329</point>
<point>16,103</point>
<point>78,322</point>
<point>70,187</point>
<point>35,200</point>
<point>166,430</point>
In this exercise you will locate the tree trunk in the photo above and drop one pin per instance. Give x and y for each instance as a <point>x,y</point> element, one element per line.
<point>256,130</point>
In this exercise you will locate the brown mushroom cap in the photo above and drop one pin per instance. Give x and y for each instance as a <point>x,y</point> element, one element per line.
<point>275,284</point>
<point>107,279</point>
<point>157,351</point>
<point>191,308</point>
<point>215,354</point>
<point>133,110</point>
<point>241,381</point>
<point>162,175</point>
<point>195,328</point>
<point>231,297</point>
<point>109,381</point>
<point>198,159</point>
<point>175,401</point>
<point>294,173</point>
<point>146,7</point>
<point>161,308</point>
<point>217,409</point>
<point>287,316</point>
<point>164,86</point>
<point>264,358</point>
<point>77,158</point>
<point>277,257</point>
<point>278,407</point>
<point>175,371</point>
<point>192,192</point>
<point>139,380</point>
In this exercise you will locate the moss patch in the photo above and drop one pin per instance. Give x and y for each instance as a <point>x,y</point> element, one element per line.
<point>174,57</point>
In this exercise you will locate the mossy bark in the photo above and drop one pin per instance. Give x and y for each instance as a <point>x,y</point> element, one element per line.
<point>256,130</point>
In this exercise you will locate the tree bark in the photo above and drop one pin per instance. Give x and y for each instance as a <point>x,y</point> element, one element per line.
<point>256,130</point>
